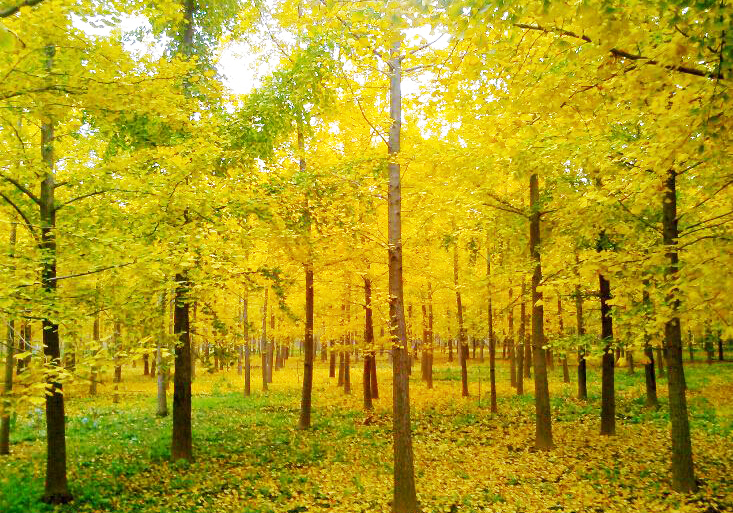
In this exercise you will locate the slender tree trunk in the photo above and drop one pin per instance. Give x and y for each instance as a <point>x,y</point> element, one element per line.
<point>404,494</point>
<point>117,340</point>
<point>543,426</point>
<point>608,395</point>
<point>660,361</point>
<point>582,380</point>
<point>522,342</point>
<point>561,334</point>
<point>271,347</point>
<point>462,343</point>
<point>9,363</point>
<point>93,370</point>
<point>492,342</point>
<point>305,403</point>
<point>431,337</point>
<point>423,349</point>
<point>159,367</point>
<point>181,440</point>
<point>263,343</point>
<point>331,360</point>
<point>683,473</point>
<point>247,350</point>
<point>510,343</point>
<point>368,342</point>
<point>56,487</point>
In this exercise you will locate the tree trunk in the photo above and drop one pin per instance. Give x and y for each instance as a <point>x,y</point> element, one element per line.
<point>431,337</point>
<point>683,473</point>
<point>608,395</point>
<point>341,367</point>
<point>510,343</point>
<point>404,495</point>
<point>368,342</point>
<point>263,342</point>
<point>305,403</point>
<point>331,361</point>
<point>9,363</point>
<point>492,343</point>
<point>117,341</point>
<point>660,361</point>
<point>181,440</point>
<point>271,347</point>
<point>522,342</point>
<point>347,372</point>
<point>582,381</point>
<point>561,333</point>
<point>159,367</point>
<point>56,486</point>
<point>543,422</point>
<point>247,350</point>
<point>462,342</point>
<point>93,371</point>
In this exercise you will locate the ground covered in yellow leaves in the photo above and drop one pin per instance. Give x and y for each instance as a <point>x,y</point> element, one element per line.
<point>250,458</point>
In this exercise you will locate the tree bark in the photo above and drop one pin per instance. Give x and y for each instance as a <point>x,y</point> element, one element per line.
<point>492,343</point>
<point>543,422</point>
<point>305,403</point>
<point>263,343</point>
<point>181,440</point>
<point>608,395</point>
<point>159,367</point>
<point>510,343</point>
<point>522,342</point>
<point>56,486</point>
<point>404,495</point>
<point>580,328</point>
<point>116,345</point>
<point>683,473</point>
<point>247,350</point>
<point>368,342</point>
<point>462,343</point>
<point>9,363</point>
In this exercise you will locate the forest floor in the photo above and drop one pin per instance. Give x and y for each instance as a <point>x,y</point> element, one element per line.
<point>250,458</point>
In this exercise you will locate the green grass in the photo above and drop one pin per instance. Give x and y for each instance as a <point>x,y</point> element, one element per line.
<point>114,454</point>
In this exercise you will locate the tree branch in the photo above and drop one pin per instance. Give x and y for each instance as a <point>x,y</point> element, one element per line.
<point>22,188</point>
<point>622,53</point>
<point>27,222</point>
<point>9,11</point>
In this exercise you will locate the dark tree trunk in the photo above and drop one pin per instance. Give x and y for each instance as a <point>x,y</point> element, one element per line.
<point>347,372</point>
<point>683,473</point>
<point>582,383</point>
<point>9,363</point>
<point>510,343</point>
<point>263,343</point>
<point>522,341</point>
<point>404,495</point>
<point>431,337</point>
<point>247,350</point>
<point>543,423</point>
<point>305,403</point>
<point>462,342</point>
<point>608,395</point>
<point>331,361</point>
<point>56,487</point>
<point>368,342</point>
<point>492,343</point>
<point>660,361</point>
<point>181,440</point>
